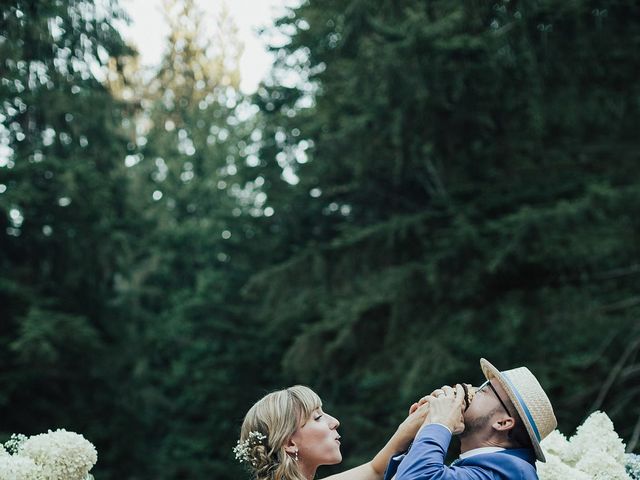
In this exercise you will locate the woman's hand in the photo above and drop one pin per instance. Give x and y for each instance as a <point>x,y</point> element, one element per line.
<point>417,404</point>
<point>408,429</point>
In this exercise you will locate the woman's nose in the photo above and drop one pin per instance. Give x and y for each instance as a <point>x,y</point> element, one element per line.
<point>334,423</point>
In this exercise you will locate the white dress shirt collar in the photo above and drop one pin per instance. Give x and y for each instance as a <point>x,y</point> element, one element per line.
<point>478,451</point>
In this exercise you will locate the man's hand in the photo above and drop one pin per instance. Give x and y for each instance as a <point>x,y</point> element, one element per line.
<point>446,407</point>
<point>425,399</point>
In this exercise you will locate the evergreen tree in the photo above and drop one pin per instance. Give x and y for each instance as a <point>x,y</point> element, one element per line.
<point>422,185</point>
<point>67,219</point>
<point>193,174</point>
<point>469,192</point>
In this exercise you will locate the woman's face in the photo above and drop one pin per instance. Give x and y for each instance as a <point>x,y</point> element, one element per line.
<point>317,441</point>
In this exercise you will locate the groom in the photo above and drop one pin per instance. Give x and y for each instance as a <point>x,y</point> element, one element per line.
<point>500,432</point>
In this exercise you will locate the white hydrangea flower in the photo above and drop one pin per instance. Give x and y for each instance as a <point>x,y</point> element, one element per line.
<point>555,469</point>
<point>3,452</point>
<point>596,434</point>
<point>14,443</point>
<point>61,455</point>
<point>600,465</point>
<point>555,444</point>
<point>17,467</point>
<point>632,462</point>
<point>595,452</point>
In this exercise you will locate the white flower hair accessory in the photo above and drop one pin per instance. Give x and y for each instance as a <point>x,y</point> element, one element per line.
<point>242,450</point>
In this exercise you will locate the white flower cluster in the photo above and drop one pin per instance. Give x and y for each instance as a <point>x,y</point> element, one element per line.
<point>243,449</point>
<point>13,444</point>
<point>58,455</point>
<point>595,452</point>
<point>16,467</point>
<point>633,465</point>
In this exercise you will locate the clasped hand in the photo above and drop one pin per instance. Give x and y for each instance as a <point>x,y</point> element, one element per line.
<point>446,406</point>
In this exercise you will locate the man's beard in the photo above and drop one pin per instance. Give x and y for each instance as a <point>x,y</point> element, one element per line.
<point>474,425</point>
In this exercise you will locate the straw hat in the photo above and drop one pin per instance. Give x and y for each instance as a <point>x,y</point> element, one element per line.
<point>530,401</point>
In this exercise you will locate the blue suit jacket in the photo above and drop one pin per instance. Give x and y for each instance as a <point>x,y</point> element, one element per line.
<point>425,461</point>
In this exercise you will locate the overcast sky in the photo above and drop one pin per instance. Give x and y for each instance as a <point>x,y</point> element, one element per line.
<point>148,31</point>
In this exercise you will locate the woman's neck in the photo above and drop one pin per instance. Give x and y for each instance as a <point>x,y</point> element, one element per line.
<point>308,472</point>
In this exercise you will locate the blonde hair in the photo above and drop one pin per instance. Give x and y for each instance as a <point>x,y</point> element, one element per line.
<point>277,416</point>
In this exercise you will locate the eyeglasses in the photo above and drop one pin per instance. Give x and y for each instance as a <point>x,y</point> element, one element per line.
<point>488,384</point>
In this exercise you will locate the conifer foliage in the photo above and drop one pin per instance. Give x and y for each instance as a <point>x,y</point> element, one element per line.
<point>416,185</point>
<point>470,192</point>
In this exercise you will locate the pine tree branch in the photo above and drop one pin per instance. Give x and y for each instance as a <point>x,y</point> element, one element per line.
<point>621,305</point>
<point>619,272</point>
<point>613,375</point>
<point>635,436</point>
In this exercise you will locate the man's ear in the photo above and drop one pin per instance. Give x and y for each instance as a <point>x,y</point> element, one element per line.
<point>504,424</point>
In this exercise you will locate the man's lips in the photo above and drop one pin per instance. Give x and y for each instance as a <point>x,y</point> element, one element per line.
<point>337,439</point>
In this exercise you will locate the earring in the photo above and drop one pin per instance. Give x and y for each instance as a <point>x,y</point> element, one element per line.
<point>296,456</point>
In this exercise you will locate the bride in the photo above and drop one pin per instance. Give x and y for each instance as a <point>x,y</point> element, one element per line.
<point>286,435</point>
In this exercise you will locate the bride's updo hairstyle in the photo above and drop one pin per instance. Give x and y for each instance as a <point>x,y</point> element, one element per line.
<point>267,428</point>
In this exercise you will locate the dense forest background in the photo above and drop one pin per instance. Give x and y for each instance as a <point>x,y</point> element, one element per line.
<point>417,184</point>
